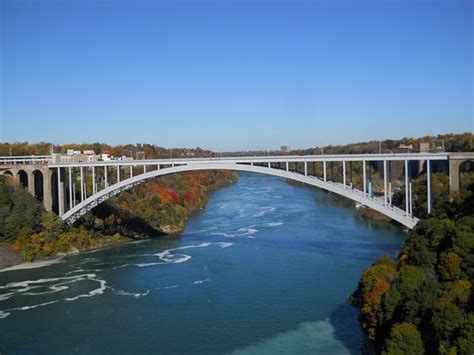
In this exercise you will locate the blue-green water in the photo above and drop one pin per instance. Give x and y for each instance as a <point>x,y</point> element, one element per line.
<point>266,268</point>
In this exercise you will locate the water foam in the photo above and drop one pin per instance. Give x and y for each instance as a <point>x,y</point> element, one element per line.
<point>274,224</point>
<point>132,294</point>
<point>198,282</point>
<point>60,284</point>
<point>264,211</point>
<point>33,265</point>
<point>250,230</point>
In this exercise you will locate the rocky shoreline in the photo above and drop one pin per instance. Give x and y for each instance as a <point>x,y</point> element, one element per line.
<point>8,256</point>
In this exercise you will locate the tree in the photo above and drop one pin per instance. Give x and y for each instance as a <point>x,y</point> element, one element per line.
<point>449,267</point>
<point>465,341</point>
<point>404,339</point>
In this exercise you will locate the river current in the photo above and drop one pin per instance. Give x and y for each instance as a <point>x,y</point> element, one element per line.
<point>266,268</point>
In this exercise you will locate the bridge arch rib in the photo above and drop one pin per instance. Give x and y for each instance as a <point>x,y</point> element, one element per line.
<point>356,195</point>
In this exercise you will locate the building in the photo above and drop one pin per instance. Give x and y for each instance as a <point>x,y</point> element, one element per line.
<point>404,148</point>
<point>285,149</point>
<point>105,157</point>
<point>424,147</point>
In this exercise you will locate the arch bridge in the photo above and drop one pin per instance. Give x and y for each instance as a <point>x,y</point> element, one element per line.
<point>74,188</point>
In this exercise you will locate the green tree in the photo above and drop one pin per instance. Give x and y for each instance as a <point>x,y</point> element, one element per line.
<point>404,339</point>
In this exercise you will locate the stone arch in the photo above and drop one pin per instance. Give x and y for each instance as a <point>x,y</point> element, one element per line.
<point>54,192</point>
<point>38,181</point>
<point>7,173</point>
<point>22,177</point>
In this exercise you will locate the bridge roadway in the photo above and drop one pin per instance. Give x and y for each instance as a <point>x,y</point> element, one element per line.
<point>271,165</point>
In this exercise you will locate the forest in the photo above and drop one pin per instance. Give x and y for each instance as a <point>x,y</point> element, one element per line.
<point>422,302</point>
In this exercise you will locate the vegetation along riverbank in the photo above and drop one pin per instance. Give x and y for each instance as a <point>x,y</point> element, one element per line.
<point>422,301</point>
<point>157,207</point>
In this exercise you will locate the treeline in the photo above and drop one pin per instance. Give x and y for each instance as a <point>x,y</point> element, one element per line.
<point>155,207</point>
<point>463,142</point>
<point>139,150</point>
<point>423,302</point>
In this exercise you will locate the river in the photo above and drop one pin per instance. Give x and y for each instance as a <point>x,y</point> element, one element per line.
<point>266,268</point>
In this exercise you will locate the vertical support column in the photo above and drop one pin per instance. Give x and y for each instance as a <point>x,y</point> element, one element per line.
<point>411,199</point>
<point>428,183</point>
<point>144,169</point>
<point>47,190</point>
<point>454,166</point>
<point>118,173</point>
<point>60,193</point>
<point>385,182</point>
<point>70,188</point>
<point>305,168</point>
<point>344,173</point>
<point>407,193</point>
<point>94,187</point>
<point>82,184</point>
<point>131,170</point>
<point>31,183</point>
<point>364,177</point>
<point>269,165</point>
<point>106,181</point>
<point>390,193</point>
<point>158,167</point>
<point>324,171</point>
<point>287,166</point>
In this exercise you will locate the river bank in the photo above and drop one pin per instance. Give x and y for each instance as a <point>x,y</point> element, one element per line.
<point>156,208</point>
<point>8,256</point>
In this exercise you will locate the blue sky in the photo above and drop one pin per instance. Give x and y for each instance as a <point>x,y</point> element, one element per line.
<point>229,75</point>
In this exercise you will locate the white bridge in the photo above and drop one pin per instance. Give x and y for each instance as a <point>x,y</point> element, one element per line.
<point>99,180</point>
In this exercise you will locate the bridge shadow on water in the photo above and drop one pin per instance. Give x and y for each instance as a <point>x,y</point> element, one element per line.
<point>346,327</point>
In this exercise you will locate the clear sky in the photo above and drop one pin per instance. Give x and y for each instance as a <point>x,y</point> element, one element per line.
<point>231,75</point>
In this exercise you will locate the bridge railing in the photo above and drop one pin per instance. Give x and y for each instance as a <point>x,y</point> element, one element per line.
<point>25,159</point>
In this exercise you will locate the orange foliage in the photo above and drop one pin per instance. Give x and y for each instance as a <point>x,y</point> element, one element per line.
<point>166,195</point>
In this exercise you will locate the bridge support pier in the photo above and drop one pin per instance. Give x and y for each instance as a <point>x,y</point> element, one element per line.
<point>385,182</point>
<point>70,187</point>
<point>60,192</point>
<point>94,187</point>
<point>31,183</point>
<point>428,185</point>
<point>344,173</point>
<point>82,184</point>
<point>364,177</point>
<point>106,181</point>
<point>407,197</point>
